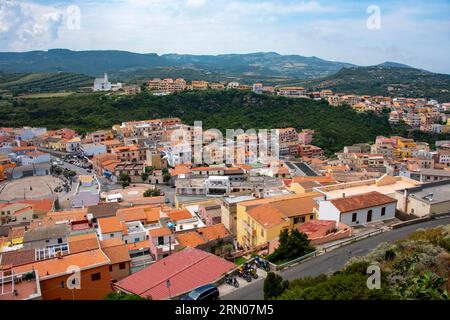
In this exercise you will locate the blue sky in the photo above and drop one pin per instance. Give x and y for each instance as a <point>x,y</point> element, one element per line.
<point>411,32</point>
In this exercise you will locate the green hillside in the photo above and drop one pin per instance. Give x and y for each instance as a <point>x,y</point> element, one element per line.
<point>387,81</point>
<point>43,82</point>
<point>336,127</point>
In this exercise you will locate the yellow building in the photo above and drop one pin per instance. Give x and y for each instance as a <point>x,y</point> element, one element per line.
<point>261,221</point>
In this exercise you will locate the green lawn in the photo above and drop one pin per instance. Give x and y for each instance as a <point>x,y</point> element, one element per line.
<point>239,261</point>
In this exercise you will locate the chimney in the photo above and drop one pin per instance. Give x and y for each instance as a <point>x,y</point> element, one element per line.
<point>59,254</point>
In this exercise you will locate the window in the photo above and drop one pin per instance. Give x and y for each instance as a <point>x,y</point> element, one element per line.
<point>136,239</point>
<point>110,268</point>
<point>96,276</point>
<point>262,232</point>
<point>369,216</point>
<point>311,217</point>
<point>59,240</point>
<point>122,265</point>
<point>111,235</point>
<point>383,211</point>
<point>354,215</point>
<point>62,284</point>
<point>160,241</point>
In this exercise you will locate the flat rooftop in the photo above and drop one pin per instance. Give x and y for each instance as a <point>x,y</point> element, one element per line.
<point>432,193</point>
<point>386,185</point>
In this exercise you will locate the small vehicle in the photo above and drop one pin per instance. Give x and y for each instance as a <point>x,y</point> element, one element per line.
<point>206,292</point>
<point>243,273</point>
<point>252,272</point>
<point>262,264</point>
<point>232,281</point>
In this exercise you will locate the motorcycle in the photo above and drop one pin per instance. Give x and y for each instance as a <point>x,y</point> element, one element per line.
<point>232,281</point>
<point>243,273</point>
<point>262,264</point>
<point>252,272</point>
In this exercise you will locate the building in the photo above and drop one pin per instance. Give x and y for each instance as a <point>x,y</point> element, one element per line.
<point>35,157</point>
<point>427,199</point>
<point>261,221</point>
<point>102,84</point>
<point>292,92</point>
<point>175,275</point>
<point>210,239</point>
<point>229,211</point>
<point>358,209</point>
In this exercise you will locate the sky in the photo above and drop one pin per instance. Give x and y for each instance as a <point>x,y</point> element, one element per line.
<point>362,32</point>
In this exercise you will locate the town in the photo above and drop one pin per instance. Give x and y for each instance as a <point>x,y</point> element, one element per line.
<point>133,213</point>
<point>422,114</point>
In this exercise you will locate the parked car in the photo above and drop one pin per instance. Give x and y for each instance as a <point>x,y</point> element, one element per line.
<point>206,292</point>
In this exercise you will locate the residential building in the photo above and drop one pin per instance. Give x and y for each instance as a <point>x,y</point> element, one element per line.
<point>358,209</point>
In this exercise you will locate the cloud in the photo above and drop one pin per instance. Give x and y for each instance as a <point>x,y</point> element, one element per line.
<point>25,25</point>
<point>195,3</point>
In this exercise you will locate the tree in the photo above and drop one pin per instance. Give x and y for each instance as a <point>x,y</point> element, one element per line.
<point>274,286</point>
<point>144,176</point>
<point>152,193</point>
<point>166,175</point>
<point>292,245</point>
<point>124,179</point>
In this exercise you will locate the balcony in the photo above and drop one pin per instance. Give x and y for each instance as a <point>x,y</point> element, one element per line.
<point>23,286</point>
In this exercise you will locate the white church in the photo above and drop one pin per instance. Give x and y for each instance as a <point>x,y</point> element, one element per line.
<point>103,84</point>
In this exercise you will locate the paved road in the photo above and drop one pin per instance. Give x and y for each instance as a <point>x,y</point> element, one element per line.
<point>333,260</point>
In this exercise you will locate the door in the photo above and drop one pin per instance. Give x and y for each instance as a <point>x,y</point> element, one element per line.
<point>369,216</point>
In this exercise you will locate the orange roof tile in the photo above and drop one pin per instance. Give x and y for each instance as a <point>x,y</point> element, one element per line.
<point>164,231</point>
<point>57,267</point>
<point>138,245</point>
<point>110,225</point>
<point>214,232</point>
<point>132,214</point>
<point>190,239</point>
<point>177,215</point>
<point>113,242</point>
<point>83,242</point>
<point>267,216</point>
<point>117,254</point>
<point>361,201</point>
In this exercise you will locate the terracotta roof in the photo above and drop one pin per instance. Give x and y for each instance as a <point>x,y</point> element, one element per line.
<point>82,242</point>
<point>18,257</point>
<point>190,239</point>
<point>266,215</point>
<point>153,215</point>
<point>132,214</point>
<point>179,169</point>
<point>107,209</point>
<point>361,201</point>
<point>177,215</point>
<point>138,245</point>
<point>186,270</point>
<point>110,225</point>
<point>117,254</point>
<point>214,232</point>
<point>57,267</point>
<point>159,232</point>
<point>113,242</point>
<point>41,205</point>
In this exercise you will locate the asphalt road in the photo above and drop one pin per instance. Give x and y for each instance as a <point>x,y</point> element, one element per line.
<point>333,260</point>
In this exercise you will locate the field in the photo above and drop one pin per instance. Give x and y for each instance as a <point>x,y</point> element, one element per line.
<point>46,95</point>
<point>23,83</point>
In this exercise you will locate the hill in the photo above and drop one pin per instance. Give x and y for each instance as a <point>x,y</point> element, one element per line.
<point>97,62</point>
<point>19,83</point>
<point>336,127</point>
<point>387,81</point>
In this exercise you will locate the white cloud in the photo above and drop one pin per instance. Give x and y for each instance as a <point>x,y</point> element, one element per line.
<point>25,25</point>
<point>195,3</point>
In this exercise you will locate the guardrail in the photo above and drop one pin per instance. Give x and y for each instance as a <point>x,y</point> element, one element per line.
<point>419,220</point>
<point>351,240</point>
<point>293,262</point>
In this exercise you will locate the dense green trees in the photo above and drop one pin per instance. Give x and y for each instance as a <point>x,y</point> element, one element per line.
<point>335,127</point>
<point>274,285</point>
<point>152,193</point>
<point>292,244</point>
